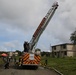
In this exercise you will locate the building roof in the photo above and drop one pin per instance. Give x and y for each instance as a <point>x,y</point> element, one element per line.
<point>63,44</point>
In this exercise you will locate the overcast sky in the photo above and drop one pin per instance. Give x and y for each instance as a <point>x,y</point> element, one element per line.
<point>20,18</point>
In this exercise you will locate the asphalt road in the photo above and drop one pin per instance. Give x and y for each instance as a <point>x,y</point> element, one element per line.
<point>24,71</point>
<point>39,71</point>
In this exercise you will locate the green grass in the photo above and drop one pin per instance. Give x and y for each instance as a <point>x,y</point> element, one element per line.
<point>67,65</point>
<point>17,57</point>
<point>1,61</point>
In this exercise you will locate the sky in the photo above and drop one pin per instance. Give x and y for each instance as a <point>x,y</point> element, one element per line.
<point>20,18</point>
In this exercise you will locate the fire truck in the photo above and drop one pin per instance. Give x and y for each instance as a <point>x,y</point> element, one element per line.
<point>30,56</point>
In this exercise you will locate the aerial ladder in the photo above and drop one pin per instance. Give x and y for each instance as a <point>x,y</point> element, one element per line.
<point>31,57</point>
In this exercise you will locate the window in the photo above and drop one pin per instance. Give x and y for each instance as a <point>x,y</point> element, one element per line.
<point>55,53</point>
<point>64,46</point>
<point>65,53</point>
<point>54,47</point>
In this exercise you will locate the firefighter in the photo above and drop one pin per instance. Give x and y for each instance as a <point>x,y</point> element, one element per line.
<point>45,62</point>
<point>7,65</point>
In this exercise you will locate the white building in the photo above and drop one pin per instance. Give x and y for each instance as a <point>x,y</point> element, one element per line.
<point>63,50</point>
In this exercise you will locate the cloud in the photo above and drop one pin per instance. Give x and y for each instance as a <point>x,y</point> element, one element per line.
<point>11,46</point>
<point>20,18</point>
<point>63,22</point>
<point>21,14</point>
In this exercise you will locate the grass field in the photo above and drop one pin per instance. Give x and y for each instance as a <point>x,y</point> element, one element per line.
<point>1,62</point>
<point>67,65</point>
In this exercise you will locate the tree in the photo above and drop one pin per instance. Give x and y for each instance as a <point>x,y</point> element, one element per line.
<point>73,37</point>
<point>37,49</point>
<point>47,54</point>
<point>19,52</point>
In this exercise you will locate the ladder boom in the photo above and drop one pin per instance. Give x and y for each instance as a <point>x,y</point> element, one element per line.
<point>42,26</point>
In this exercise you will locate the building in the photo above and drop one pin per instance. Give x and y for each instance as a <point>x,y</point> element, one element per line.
<point>63,50</point>
<point>15,53</point>
<point>11,54</point>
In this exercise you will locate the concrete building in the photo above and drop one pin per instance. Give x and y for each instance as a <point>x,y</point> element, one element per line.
<point>11,54</point>
<point>63,50</point>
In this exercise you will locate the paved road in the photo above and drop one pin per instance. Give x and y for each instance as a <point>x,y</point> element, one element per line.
<point>39,71</point>
<point>21,71</point>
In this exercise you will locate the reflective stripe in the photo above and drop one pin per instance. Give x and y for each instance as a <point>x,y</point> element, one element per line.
<point>37,58</point>
<point>27,61</point>
<point>26,58</point>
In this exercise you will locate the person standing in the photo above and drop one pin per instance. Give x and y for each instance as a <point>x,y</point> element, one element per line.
<point>6,66</point>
